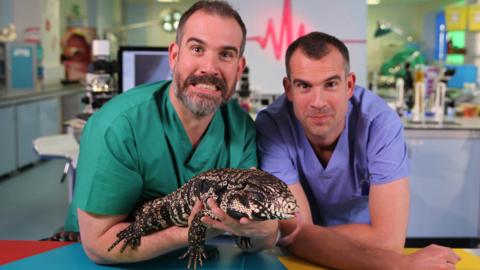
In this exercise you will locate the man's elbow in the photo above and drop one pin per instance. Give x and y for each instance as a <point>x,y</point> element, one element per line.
<point>95,256</point>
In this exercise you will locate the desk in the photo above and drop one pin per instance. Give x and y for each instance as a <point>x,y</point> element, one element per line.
<point>48,255</point>
<point>58,255</point>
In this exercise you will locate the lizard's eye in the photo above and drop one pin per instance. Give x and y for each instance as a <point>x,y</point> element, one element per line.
<point>291,205</point>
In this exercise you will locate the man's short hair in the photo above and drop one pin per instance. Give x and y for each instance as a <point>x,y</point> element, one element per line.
<point>220,8</point>
<point>316,45</point>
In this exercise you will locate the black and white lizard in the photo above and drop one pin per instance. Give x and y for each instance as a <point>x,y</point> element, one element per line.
<point>249,193</point>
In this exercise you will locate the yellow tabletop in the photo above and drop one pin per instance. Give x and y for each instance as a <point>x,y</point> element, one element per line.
<point>468,262</point>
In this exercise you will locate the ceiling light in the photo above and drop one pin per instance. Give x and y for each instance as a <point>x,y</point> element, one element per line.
<point>370,2</point>
<point>169,19</point>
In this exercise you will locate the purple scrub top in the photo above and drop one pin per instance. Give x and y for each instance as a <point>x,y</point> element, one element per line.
<point>370,150</point>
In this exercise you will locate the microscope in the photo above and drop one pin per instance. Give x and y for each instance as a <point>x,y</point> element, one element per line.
<point>100,79</point>
<point>244,91</point>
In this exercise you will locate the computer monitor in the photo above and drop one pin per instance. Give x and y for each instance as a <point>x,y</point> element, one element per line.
<point>140,65</point>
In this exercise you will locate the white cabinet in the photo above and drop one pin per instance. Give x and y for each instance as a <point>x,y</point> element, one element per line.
<point>8,153</point>
<point>444,183</point>
<point>35,119</point>
<point>21,124</point>
<point>24,118</point>
<point>28,127</point>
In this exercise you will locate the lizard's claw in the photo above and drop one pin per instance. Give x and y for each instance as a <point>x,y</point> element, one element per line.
<point>244,242</point>
<point>195,255</point>
<point>131,237</point>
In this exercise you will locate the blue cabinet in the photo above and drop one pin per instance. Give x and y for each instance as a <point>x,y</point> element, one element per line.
<point>8,151</point>
<point>35,119</point>
<point>20,66</point>
<point>444,184</point>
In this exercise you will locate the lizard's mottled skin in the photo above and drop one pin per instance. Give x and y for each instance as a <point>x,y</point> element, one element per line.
<point>239,192</point>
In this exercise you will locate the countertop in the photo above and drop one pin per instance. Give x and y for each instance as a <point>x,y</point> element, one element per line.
<point>456,123</point>
<point>57,90</point>
<point>49,91</point>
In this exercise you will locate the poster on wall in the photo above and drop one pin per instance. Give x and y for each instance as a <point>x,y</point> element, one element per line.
<point>274,24</point>
<point>474,18</point>
<point>456,17</point>
<point>77,52</point>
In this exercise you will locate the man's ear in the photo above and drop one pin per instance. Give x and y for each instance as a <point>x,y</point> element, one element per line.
<point>351,78</point>
<point>287,87</point>
<point>241,66</point>
<point>172,55</point>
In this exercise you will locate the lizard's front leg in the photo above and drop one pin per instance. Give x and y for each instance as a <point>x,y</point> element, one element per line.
<point>196,240</point>
<point>148,218</point>
<point>131,235</point>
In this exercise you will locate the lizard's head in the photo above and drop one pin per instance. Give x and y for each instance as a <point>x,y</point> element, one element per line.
<point>263,197</point>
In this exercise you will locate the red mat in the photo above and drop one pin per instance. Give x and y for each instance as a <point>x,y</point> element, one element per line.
<point>12,250</point>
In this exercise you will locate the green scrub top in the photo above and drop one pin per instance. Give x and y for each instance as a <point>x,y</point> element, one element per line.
<point>135,149</point>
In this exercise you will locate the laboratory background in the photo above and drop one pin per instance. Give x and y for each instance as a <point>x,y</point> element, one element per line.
<point>60,61</point>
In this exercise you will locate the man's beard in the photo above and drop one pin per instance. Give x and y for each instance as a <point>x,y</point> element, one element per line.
<point>198,104</point>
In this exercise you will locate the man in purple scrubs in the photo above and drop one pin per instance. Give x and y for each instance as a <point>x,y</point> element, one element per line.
<point>341,150</point>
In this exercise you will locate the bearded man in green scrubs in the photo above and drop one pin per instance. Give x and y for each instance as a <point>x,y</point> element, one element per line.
<point>152,139</point>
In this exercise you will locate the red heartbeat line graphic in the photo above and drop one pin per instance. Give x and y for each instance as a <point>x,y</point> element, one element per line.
<point>286,28</point>
<point>286,32</point>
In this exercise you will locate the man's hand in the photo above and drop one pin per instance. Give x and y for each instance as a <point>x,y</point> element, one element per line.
<point>243,227</point>
<point>211,232</point>
<point>262,231</point>
<point>433,257</point>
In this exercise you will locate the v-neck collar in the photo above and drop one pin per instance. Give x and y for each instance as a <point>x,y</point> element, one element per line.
<point>341,148</point>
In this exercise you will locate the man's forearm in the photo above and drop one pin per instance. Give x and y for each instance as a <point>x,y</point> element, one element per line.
<point>258,244</point>
<point>367,234</point>
<point>326,247</point>
<point>152,245</point>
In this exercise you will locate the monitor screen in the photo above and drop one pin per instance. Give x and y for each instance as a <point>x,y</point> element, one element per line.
<point>140,65</point>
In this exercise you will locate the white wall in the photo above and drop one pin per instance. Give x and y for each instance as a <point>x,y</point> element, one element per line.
<point>346,19</point>
<point>5,13</point>
<point>50,29</point>
<point>26,13</point>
